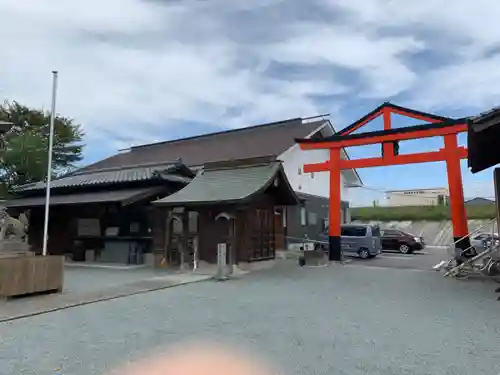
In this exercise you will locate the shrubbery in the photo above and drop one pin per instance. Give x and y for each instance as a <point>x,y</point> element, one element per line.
<point>416,213</point>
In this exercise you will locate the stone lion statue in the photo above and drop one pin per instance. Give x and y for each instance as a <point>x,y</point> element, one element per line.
<point>12,228</point>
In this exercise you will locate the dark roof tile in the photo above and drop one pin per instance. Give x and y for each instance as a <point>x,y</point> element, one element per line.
<point>104,177</point>
<point>251,142</point>
<point>124,196</point>
<point>232,184</point>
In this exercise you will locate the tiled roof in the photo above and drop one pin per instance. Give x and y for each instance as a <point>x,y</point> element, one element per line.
<point>231,185</point>
<point>111,176</point>
<point>486,114</point>
<point>124,196</point>
<point>261,140</point>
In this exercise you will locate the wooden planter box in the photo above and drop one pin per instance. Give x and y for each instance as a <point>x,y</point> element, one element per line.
<point>27,274</point>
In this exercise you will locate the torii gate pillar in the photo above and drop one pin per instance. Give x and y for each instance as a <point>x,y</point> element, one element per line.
<point>457,202</point>
<point>335,249</point>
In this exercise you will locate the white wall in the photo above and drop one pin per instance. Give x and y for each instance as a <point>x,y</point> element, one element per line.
<point>418,197</point>
<point>318,183</point>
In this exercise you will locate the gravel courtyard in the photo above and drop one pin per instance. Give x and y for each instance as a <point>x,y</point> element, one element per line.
<point>336,320</point>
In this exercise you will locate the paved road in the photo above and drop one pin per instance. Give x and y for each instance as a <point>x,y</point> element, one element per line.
<point>421,260</point>
<point>336,320</point>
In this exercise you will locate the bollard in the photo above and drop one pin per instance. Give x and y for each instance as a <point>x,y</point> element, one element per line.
<point>222,273</point>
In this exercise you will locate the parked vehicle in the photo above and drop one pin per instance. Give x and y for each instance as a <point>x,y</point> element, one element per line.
<point>405,243</point>
<point>483,240</point>
<point>357,240</point>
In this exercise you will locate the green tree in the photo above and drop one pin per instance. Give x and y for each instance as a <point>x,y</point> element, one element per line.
<point>25,152</point>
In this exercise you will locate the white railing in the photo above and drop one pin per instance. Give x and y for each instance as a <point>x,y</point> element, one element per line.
<point>455,271</point>
<point>479,229</point>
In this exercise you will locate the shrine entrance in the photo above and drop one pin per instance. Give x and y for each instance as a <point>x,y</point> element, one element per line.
<point>389,138</point>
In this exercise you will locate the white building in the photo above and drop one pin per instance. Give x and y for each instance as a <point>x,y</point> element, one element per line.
<point>317,184</point>
<point>417,197</point>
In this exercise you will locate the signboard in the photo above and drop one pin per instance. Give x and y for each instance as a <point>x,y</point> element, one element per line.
<point>89,228</point>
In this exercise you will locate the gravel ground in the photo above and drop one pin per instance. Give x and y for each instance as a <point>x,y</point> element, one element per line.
<point>335,320</point>
<point>87,279</point>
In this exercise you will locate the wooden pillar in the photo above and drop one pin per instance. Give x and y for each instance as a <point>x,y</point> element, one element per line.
<point>184,248</point>
<point>388,147</point>
<point>335,249</point>
<point>157,217</point>
<point>457,204</point>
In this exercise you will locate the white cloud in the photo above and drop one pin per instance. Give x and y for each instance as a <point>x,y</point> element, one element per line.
<point>109,82</point>
<point>472,21</point>
<point>465,31</point>
<point>466,84</point>
<point>130,63</point>
<point>376,59</point>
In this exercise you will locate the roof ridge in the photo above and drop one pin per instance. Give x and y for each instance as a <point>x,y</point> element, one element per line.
<point>245,166</point>
<point>229,131</point>
<point>274,138</point>
<point>82,171</point>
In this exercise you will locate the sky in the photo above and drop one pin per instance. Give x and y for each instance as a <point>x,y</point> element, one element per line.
<point>138,71</point>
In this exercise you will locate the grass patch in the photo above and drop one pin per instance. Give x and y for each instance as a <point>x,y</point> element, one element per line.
<point>416,213</point>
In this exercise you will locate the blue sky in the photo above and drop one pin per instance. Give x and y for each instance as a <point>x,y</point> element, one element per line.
<point>137,71</point>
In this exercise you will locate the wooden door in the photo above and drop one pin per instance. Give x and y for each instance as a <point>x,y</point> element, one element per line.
<point>263,236</point>
<point>174,241</point>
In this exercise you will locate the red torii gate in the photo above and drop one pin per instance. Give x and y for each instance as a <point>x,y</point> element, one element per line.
<point>446,127</point>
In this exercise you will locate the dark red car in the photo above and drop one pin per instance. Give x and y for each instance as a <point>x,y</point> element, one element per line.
<point>406,243</point>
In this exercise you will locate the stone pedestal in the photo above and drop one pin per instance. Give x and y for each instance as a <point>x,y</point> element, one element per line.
<point>315,258</point>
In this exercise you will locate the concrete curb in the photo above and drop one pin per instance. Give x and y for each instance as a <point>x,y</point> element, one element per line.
<point>99,299</point>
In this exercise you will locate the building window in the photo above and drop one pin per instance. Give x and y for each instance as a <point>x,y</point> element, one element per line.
<point>312,218</point>
<point>303,216</point>
<point>193,222</point>
<point>312,174</point>
<point>176,226</point>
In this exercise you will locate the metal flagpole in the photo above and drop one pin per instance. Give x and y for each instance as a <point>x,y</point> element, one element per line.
<point>49,163</point>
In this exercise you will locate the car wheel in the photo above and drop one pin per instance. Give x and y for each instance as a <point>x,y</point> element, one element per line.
<point>404,249</point>
<point>363,254</point>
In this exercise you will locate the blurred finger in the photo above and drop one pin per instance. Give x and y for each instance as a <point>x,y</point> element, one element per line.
<point>200,359</point>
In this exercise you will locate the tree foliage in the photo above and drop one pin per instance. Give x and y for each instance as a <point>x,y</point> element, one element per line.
<point>25,152</point>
